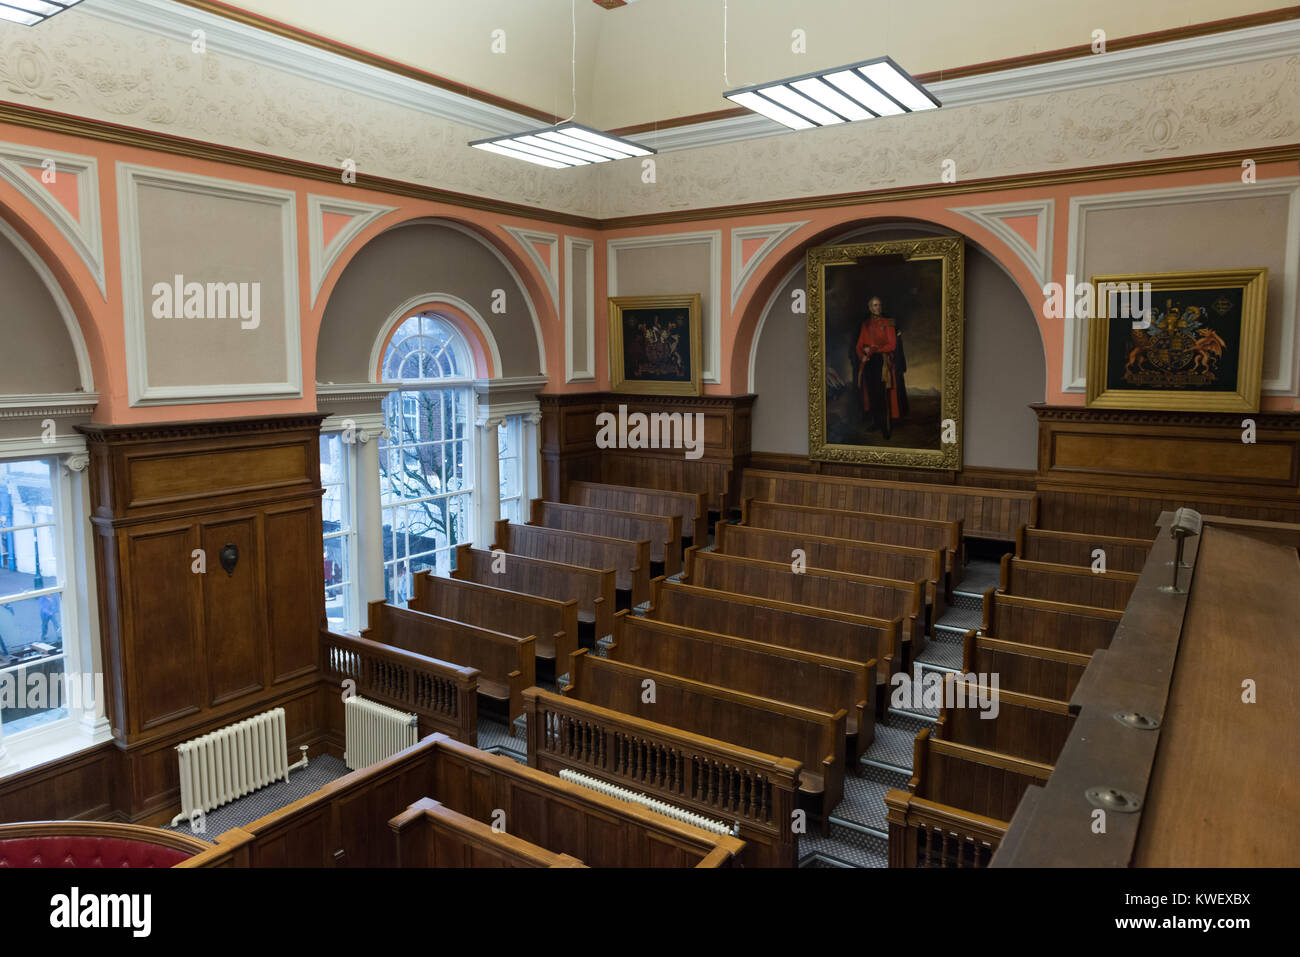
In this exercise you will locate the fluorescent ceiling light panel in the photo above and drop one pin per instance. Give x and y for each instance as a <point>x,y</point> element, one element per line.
<point>31,12</point>
<point>558,147</point>
<point>858,91</point>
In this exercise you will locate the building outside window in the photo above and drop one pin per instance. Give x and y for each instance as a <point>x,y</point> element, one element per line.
<point>426,464</point>
<point>337,472</point>
<point>510,466</point>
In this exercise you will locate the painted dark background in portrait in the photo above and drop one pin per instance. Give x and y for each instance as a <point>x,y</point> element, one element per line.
<point>912,295</point>
<point>1192,345</point>
<point>649,353</point>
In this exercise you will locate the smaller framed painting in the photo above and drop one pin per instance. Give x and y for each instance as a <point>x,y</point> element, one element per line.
<point>1185,341</point>
<point>655,344</point>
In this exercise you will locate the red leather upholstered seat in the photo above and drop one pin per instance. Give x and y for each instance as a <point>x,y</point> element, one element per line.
<point>82,851</point>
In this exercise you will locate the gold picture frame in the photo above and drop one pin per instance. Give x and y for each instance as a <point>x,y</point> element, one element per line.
<point>655,350</point>
<point>934,323</point>
<point>1203,324</point>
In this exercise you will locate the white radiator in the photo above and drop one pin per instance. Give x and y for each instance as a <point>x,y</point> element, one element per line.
<point>668,810</point>
<point>374,732</point>
<point>228,763</point>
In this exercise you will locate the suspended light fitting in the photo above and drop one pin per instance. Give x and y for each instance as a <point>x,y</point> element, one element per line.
<point>561,146</point>
<point>845,94</point>
<point>31,12</point>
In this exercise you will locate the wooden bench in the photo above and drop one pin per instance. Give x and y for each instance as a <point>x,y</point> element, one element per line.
<point>346,823</point>
<point>721,781</point>
<point>1067,583</point>
<point>553,624</point>
<point>429,834</point>
<point>858,594</point>
<point>863,527</point>
<point>820,631</point>
<point>842,555</point>
<point>813,738</point>
<point>592,588</point>
<point>1027,669</point>
<point>506,663</point>
<point>768,671</point>
<point>984,512</point>
<point>649,501</point>
<point>443,696</point>
<point>1048,624</point>
<point>664,532</point>
<point>1074,548</point>
<point>1025,726</point>
<point>630,560</point>
<point>957,805</point>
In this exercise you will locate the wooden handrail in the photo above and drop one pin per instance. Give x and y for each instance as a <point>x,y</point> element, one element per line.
<point>417,825</point>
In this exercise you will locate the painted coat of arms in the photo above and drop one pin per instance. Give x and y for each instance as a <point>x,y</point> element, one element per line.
<point>1178,350</point>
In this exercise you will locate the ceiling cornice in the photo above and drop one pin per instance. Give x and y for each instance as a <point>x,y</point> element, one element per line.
<point>49,121</point>
<point>267,42</point>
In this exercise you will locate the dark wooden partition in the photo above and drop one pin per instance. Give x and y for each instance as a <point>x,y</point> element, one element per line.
<point>187,645</point>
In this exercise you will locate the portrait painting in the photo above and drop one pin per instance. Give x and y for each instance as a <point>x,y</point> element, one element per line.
<point>885,352</point>
<point>1190,341</point>
<point>655,344</point>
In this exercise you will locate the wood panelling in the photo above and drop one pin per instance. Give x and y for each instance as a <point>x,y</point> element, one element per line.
<point>570,453</point>
<point>72,788</point>
<point>187,646</point>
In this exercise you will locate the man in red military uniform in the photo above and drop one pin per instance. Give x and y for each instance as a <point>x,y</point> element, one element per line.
<point>881,365</point>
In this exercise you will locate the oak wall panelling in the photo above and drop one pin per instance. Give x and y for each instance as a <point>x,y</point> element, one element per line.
<point>186,651</point>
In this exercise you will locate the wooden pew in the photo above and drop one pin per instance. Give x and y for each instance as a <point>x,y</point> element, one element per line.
<point>842,555</point>
<point>1067,583</point>
<point>1027,669</point>
<point>506,663</point>
<point>984,512</point>
<point>858,594</point>
<point>346,823</point>
<point>957,805</point>
<point>1048,624</point>
<point>719,780</point>
<point>650,501</point>
<point>1026,727</point>
<point>768,671</point>
<point>592,588</point>
<point>630,560</point>
<point>1074,548</point>
<point>443,696</point>
<point>813,738</point>
<point>554,624</point>
<point>432,835</point>
<point>864,527</point>
<point>820,631</point>
<point>664,532</point>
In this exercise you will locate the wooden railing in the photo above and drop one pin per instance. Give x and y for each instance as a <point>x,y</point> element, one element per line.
<point>429,834</point>
<point>442,695</point>
<point>925,834</point>
<point>710,777</point>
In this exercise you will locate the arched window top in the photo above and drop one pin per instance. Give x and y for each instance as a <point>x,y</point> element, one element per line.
<point>426,347</point>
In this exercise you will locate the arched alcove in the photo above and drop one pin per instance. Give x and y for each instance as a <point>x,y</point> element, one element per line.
<point>1005,366</point>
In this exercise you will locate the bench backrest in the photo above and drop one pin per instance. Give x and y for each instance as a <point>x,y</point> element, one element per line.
<point>859,526</point>
<point>430,834</point>
<point>984,512</point>
<point>663,532</point>
<point>813,738</point>
<point>506,663</point>
<point>592,588</point>
<point>1028,669</point>
<point>554,624</point>
<point>690,506</point>
<point>630,560</point>
<point>974,780</point>
<point>859,594</point>
<point>1048,624</point>
<point>1073,548</point>
<point>834,633</point>
<point>1026,727</point>
<point>1067,583</point>
<point>769,671</point>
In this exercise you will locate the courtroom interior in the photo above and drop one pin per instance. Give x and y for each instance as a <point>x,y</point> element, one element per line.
<point>649,434</point>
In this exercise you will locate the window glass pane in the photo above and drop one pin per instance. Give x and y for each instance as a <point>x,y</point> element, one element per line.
<point>31,628</point>
<point>28,550</point>
<point>39,690</point>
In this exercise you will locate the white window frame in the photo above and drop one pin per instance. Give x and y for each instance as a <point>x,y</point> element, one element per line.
<point>349,496</point>
<point>514,426</point>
